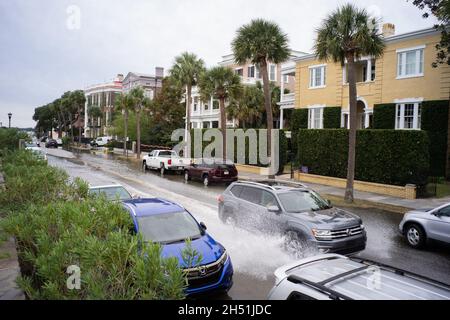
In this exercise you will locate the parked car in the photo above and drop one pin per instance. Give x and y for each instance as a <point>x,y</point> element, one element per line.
<point>169,224</point>
<point>51,143</point>
<point>297,212</point>
<point>112,192</point>
<point>211,171</point>
<point>336,277</point>
<point>59,142</point>
<point>163,160</point>
<point>100,141</point>
<point>38,152</point>
<point>420,226</point>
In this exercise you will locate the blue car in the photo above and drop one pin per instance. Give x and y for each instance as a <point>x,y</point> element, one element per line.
<point>169,224</point>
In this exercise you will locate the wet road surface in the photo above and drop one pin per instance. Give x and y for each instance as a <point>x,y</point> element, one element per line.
<point>254,256</point>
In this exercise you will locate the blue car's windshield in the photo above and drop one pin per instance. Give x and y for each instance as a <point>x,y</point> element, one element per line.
<point>169,227</point>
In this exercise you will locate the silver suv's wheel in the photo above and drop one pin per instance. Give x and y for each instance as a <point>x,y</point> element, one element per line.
<point>415,236</point>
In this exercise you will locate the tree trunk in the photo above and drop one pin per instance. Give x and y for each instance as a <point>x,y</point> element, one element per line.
<point>223,127</point>
<point>268,108</point>
<point>352,132</point>
<point>71,127</point>
<point>138,133</point>
<point>79,128</point>
<point>125,127</point>
<point>188,122</point>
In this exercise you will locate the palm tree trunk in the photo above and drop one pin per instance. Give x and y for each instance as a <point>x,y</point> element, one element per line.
<point>352,132</point>
<point>79,128</point>
<point>138,132</point>
<point>125,127</point>
<point>188,122</point>
<point>268,107</point>
<point>223,127</point>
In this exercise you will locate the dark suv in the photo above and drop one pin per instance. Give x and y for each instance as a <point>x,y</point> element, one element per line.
<point>295,211</point>
<point>210,171</point>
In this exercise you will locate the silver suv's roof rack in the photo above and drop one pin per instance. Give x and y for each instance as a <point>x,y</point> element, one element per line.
<point>273,182</point>
<point>256,183</point>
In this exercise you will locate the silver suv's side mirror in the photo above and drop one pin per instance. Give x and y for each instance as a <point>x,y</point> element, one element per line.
<point>273,209</point>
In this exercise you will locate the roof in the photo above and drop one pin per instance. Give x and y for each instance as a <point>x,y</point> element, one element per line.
<point>229,58</point>
<point>364,280</point>
<point>391,39</point>
<point>151,206</point>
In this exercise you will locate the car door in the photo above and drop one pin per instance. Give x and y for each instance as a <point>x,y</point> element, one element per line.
<point>439,225</point>
<point>250,210</point>
<point>154,159</point>
<point>271,222</point>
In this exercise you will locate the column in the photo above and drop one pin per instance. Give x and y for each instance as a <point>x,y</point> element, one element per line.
<point>369,71</point>
<point>366,119</point>
<point>281,117</point>
<point>282,88</point>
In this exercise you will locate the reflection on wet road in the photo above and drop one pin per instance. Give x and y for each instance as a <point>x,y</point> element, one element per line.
<point>254,255</point>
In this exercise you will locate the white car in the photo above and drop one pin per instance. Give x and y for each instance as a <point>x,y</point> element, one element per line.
<point>33,147</point>
<point>111,192</point>
<point>101,141</point>
<point>163,160</point>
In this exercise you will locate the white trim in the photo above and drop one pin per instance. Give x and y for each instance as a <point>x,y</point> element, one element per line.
<point>312,76</point>
<point>275,72</point>
<point>317,66</point>
<point>411,49</point>
<point>312,114</point>
<point>401,125</point>
<point>420,62</point>
<point>419,75</point>
<point>408,100</point>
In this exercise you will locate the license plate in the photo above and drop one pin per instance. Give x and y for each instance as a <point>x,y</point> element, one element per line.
<point>226,172</point>
<point>180,168</point>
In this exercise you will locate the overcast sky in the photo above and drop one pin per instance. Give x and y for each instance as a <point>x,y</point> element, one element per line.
<point>44,52</point>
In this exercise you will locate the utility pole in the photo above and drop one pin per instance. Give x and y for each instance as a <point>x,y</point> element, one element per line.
<point>9,117</point>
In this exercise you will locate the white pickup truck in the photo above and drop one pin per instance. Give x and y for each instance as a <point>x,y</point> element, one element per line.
<point>164,160</point>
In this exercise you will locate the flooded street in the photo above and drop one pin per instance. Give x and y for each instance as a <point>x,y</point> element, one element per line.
<point>254,255</point>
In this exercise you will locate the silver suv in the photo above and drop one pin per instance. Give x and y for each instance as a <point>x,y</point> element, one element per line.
<point>295,211</point>
<point>336,277</point>
<point>418,226</point>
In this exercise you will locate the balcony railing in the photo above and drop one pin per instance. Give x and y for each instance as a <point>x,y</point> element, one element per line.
<point>288,97</point>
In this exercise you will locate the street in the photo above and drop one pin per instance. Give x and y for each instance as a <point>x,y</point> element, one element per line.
<point>254,255</point>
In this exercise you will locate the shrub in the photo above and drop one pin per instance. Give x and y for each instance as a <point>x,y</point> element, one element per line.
<point>384,116</point>
<point>434,120</point>
<point>332,117</point>
<point>58,229</point>
<point>9,139</point>
<point>382,156</point>
<point>299,121</point>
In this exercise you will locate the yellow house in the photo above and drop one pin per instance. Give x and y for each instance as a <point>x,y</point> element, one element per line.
<point>404,76</point>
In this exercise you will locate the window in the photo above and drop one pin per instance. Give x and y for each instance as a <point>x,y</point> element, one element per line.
<point>215,104</point>
<point>215,124</point>
<point>239,72</point>
<point>345,120</point>
<point>236,190</point>
<point>286,78</point>
<point>272,72</point>
<point>206,106</point>
<point>268,200</point>
<point>315,118</point>
<point>445,211</point>
<point>251,71</point>
<point>257,73</point>
<point>195,103</point>
<point>408,116</point>
<point>252,195</point>
<point>317,77</point>
<point>410,63</point>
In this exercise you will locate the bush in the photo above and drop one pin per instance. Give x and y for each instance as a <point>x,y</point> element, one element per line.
<point>384,116</point>
<point>332,117</point>
<point>282,144</point>
<point>9,139</point>
<point>55,230</point>
<point>434,120</point>
<point>299,121</point>
<point>382,156</point>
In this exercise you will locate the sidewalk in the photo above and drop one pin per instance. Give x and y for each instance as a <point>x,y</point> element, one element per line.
<point>388,203</point>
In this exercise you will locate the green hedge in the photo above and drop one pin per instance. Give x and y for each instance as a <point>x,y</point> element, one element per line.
<point>435,122</point>
<point>9,138</point>
<point>283,145</point>
<point>384,116</point>
<point>332,117</point>
<point>299,119</point>
<point>382,156</point>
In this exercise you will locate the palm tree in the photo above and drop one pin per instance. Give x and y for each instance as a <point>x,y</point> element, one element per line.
<point>346,35</point>
<point>124,103</point>
<point>139,102</point>
<point>78,99</point>
<point>220,83</point>
<point>94,112</point>
<point>246,109</point>
<point>262,42</point>
<point>186,71</point>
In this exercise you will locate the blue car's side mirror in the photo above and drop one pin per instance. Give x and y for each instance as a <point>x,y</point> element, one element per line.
<point>203,226</point>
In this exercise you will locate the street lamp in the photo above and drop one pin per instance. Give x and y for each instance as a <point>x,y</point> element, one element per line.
<point>9,117</point>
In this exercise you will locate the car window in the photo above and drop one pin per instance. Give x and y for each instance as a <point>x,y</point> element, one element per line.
<point>165,154</point>
<point>251,194</point>
<point>151,154</point>
<point>236,191</point>
<point>445,211</point>
<point>268,199</point>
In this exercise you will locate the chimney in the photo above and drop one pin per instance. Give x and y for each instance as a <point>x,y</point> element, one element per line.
<point>159,72</point>
<point>388,30</point>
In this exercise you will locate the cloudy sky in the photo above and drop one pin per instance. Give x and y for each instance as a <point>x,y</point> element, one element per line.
<point>44,51</point>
